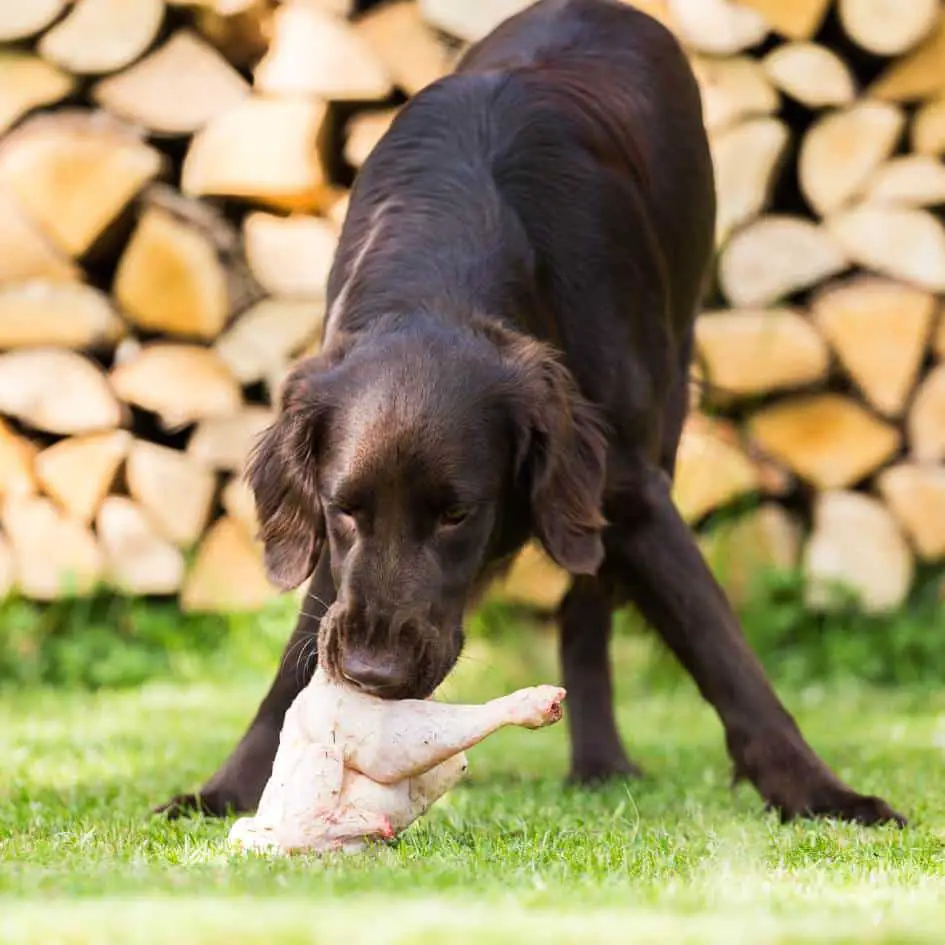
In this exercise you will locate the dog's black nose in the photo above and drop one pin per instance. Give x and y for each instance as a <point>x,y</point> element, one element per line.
<point>379,676</point>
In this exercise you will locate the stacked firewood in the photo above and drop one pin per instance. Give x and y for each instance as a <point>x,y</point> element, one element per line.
<point>173,175</point>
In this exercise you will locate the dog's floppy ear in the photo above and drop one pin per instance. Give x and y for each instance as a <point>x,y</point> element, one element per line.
<point>561,451</point>
<point>282,475</point>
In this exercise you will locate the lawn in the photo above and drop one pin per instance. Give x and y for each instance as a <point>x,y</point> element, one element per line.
<point>511,856</point>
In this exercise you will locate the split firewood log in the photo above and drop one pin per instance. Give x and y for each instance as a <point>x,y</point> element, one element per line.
<point>74,172</point>
<point>711,471</point>
<point>137,560</point>
<point>901,242</point>
<point>856,548</point>
<point>919,74</point>
<point>926,422</point>
<point>240,505</point>
<point>842,150</point>
<point>733,90</point>
<point>78,472</point>
<point>100,36</point>
<point>754,351</point>
<point>180,383</point>
<point>54,554</point>
<point>403,44</point>
<point>810,73</point>
<point>25,251</point>
<point>290,256</point>
<point>795,19</point>
<point>175,492</point>
<point>175,90</point>
<point>717,27</point>
<point>887,29</point>
<point>928,128</point>
<point>938,342</point>
<point>880,330</point>
<point>363,133</point>
<point>27,82</point>
<point>57,391</point>
<point>228,573</point>
<point>827,439</point>
<point>338,210</point>
<point>225,443</point>
<point>533,580</point>
<point>21,19</point>
<point>913,180</point>
<point>265,338</point>
<point>469,21</point>
<point>915,494</point>
<point>742,550</point>
<point>315,53</point>
<point>59,314</point>
<point>262,150</point>
<point>775,256</point>
<point>17,460</point>
<point>747,160</point>
<point>240,29</point>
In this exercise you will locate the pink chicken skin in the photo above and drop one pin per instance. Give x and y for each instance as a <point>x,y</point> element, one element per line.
<point>352,769</point>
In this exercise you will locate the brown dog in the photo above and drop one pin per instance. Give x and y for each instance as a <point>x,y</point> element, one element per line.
<point>506,354</point>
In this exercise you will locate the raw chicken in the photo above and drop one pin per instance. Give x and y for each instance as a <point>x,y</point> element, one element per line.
<point>352,768</point>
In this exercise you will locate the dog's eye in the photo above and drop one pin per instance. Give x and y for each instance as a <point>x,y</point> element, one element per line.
<point>453,516</point>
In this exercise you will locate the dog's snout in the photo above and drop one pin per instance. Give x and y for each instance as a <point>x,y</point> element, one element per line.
<point>378,676</point>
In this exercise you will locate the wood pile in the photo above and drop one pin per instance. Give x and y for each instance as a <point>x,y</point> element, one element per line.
<point>173,175</point>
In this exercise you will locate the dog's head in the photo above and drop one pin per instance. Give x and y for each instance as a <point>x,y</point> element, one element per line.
<point>414,457</point>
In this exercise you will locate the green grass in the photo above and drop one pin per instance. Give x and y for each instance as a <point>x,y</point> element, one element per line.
<point>511,856</point>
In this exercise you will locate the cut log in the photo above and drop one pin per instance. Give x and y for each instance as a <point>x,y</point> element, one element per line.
<point>918,75</point>
<point>171,280</point>
<point>180,383</point>
<point>533,581</point>
<point>747,160</point>
<point>469,21</point>
<point>856,549</point>
<point>25,252</point>
<point>62,314</point>
<point>54,555</point>
<point>225,444</point>
<point>261,150</point>
<point>176,90</point>
<point>315,53</point>
<point>775,256</point>
<point>175,492</point>
<point>938,342</point>
<point>880,331</point>
<point>842,150</point>
<point>733,90</point>
<point>290,256</point>
<point>265,338</point>
<point>79,472</point>
<point>743,550</point>
<point>17,460</point>
<point>228,574</point>
<point>363,133</point>
<point>901,242</point>
<point>717,27</point>
<point>916,497</point>
<point>137,560</point>
<point>749,352</point>
<point>240,505</point>
<point>928,128</point>
<point>811,74</point>
<point>887,27</point>
<point>338,210</point>
<point>913,180</point>
<point>100,36</point>
<point>74,173</point>
<point>240,29</point>
<point>711,471</point>
<point>7,569</point>
<point>795,19</point>
<point>829,440</point>
<point>403,44</point>
<point>21,19</point>
<point>26,82</point>
<point>926,425</point>
<point>57,391</point>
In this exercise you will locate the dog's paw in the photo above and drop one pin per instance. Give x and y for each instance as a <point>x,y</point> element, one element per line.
<point>211,804</point>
